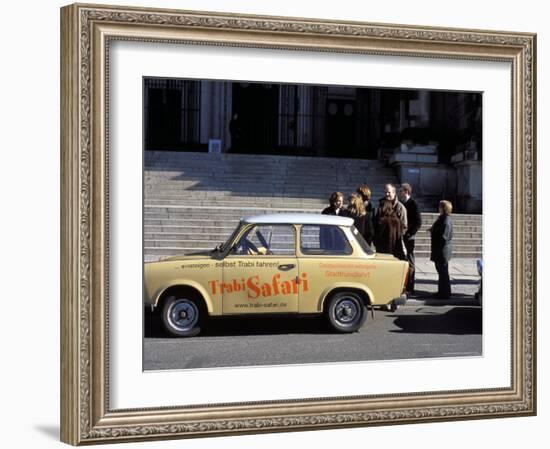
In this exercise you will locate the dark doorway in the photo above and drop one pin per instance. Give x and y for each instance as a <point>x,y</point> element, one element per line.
<point>172,115</point>
<point>341,128</point>
<point>164,117</point>
<point>254,122</point>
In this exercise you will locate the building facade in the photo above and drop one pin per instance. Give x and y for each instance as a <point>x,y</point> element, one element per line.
<point>433,139</point>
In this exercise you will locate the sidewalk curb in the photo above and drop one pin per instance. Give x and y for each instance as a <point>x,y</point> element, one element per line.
<point>442,302</point>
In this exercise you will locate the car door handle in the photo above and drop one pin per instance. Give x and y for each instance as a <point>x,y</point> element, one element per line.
<point>286,267</point>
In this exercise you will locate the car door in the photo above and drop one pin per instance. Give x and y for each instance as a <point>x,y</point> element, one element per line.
<point>325,262</point>
<point>260,274</point>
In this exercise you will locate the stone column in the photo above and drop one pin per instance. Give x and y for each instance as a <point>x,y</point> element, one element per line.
<point>216,105</point>
<point>227,112</point>
<point>286,125</point>
<point>146,116</point>
<point>403,122</point>
<point>469,186</point>
<point>305,109</point>
<point>319,109</point>
<point>206,110</point>
<point>423,109</point>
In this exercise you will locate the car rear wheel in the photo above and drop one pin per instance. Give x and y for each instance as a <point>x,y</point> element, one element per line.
<point>181,316</point>
<point>346,312</point>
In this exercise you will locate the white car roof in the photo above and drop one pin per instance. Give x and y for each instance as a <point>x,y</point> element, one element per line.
<point>314,219</point>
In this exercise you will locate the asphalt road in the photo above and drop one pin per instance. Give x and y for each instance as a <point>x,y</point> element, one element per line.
<point>419,330</point>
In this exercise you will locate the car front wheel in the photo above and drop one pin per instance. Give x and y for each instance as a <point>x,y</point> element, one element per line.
<point>346,312</point>
<point>181,317</point>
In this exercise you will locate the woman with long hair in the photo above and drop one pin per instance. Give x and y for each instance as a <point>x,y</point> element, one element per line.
<point>356,210</point>
<point>389,236</point>
<point>366,195</point>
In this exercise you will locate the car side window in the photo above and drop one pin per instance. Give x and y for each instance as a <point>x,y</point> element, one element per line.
<point>324,239</point>
<point>267,240</point>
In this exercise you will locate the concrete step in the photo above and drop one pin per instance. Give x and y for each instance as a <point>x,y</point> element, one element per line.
<point>193,201</point>
<point>208,213</point>
<point>213,176</point>
<point>254,190</point>
<point>215,234</point>
<point>240,166</point>
<point>457,246</point>
<point>207,210</point>
<point>190,222</point>
<point>198,157</point>
<point>209,244</point>
<point>213,203</point>
<point>197,194</point>
<point>458,242</point>
<point>202,175</point>
<point>183,212</point>
<point>263,159</point>
<point>201,211</point>
<point>434,216</point>
<point>174,251</point>
<point>251,189</point>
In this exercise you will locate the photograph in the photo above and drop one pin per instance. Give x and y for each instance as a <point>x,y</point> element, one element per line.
<point>278,224</point>
<point>302,223</point>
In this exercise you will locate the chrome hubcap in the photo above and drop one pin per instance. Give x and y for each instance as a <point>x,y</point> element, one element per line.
<point>347,311</point>
<point>183,314</point>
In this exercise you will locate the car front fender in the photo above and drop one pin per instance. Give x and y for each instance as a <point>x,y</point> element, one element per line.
<point>184,283</point>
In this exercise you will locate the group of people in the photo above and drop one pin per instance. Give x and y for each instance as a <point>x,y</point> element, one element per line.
<point>391,227</point>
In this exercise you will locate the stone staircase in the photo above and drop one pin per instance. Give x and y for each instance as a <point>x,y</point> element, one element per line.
<point>192,201</point>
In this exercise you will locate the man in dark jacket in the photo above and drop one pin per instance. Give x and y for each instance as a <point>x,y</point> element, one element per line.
<point>414,222</point>
<point>329,239</point>
<point>442,248</point>
<point>389,207</point>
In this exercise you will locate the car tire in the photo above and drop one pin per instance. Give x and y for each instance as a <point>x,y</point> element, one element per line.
<point>182,317</point>
<point>346,312</point>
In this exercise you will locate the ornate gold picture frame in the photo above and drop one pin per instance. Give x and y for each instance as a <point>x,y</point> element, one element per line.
<point>87,32</point>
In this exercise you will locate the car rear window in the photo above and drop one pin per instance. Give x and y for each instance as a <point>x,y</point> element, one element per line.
<point>362,242</point>
<point>324,240</point>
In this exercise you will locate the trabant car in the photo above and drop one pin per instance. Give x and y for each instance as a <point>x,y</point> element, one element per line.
<point>300,264</point>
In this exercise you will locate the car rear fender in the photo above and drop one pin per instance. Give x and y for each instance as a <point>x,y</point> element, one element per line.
<point>362,289</point>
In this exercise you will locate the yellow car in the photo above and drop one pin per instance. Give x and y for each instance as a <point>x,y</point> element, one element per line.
<point>277,264</point>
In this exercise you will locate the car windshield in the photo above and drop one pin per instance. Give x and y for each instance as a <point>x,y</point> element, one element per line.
<point>362,243</point>
<point>225,246</point>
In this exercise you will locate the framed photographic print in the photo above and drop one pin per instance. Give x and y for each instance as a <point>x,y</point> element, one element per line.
<point>203,291</point>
